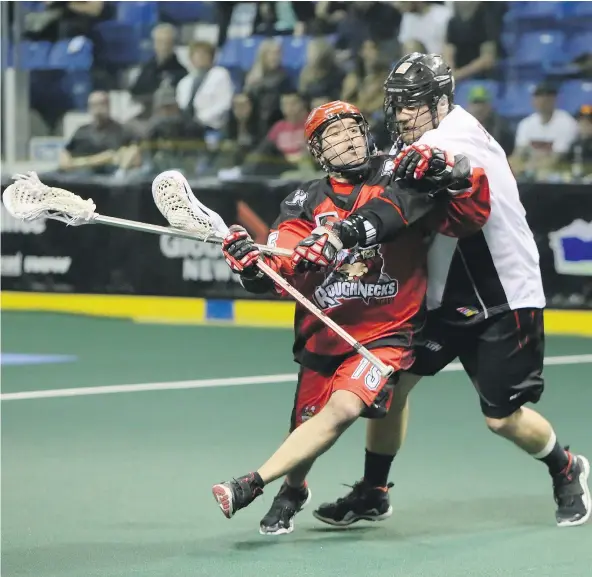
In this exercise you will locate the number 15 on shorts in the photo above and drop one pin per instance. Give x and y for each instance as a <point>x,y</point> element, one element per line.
<point>372,376</point>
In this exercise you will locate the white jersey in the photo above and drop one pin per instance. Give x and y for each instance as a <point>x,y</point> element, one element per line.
<point>496,269</point>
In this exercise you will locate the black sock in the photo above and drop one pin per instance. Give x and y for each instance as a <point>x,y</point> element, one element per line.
<point>377,468</point>
<point>557,460</point>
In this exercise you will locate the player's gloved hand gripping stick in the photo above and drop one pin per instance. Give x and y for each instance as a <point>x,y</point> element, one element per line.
<point>177,203</point>
<point>29,199</point>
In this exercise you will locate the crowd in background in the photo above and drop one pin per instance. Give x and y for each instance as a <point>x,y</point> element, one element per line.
<point>205,119</point>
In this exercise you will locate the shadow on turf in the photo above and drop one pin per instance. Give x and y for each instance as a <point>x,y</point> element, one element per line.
<point>413,522</point>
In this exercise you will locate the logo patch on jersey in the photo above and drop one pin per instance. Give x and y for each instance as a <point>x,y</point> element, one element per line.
<point>360,276</point>
<point>572,248</point>
<point>467,311</point>
<point>299,199</point>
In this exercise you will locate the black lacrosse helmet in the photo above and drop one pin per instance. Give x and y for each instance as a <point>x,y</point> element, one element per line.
<point>415,80</point>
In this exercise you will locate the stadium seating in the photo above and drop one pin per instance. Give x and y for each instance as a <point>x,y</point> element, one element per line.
<point>542,39</point>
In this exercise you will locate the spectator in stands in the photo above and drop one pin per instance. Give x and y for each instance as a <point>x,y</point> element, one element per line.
<point>327,16</point>
<point>369,96</point>
<point>319,101</point>
<point>267,81</point>
<point>164,66</point>
<point>284,147</point>
<point>473,39</point>
<point>579,155</point>
<point>378,21</point>
<point>423,26</point>
<point>100,147</point>
<point>172,138</point>
<point>241,134</point>
<point>544,136</point>
<point>480,107</point>
<point>321,75</point>
<point>63,20</point>
<point>205,94</point>
<point>288,134</point>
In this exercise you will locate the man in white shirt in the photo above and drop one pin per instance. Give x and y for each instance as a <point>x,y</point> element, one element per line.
<point>206,93</point>
<point>423,26</point>
<point>485,302</point>
<point>543,137</point>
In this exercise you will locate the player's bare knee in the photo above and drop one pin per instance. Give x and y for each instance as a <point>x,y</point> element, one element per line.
<point>344,408</point>
<point>503,426</point>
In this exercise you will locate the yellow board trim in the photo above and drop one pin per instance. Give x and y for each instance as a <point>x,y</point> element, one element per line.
<point>118,306</point>
<point>177,310</point>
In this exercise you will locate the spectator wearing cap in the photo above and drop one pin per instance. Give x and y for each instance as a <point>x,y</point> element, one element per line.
<point>205,94</point>
<point>579,155</point>
<point>480,107</point>
<point>543,137</point>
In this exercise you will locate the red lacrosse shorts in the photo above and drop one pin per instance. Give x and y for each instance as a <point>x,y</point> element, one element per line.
<point>355,374</point>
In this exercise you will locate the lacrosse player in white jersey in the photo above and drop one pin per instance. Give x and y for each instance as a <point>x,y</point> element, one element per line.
<point>485,300</point>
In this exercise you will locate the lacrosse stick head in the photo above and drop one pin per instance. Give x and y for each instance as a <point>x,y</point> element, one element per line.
<point>29,199</point>
<point>177,203</point>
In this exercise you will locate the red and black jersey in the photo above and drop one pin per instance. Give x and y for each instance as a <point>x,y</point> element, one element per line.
<point>375,293</point>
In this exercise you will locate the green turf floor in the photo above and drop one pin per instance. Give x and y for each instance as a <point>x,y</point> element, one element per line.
<point>119,485</point>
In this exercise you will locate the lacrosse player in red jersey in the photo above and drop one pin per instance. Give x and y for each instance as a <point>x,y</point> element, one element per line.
<point>359,244</point>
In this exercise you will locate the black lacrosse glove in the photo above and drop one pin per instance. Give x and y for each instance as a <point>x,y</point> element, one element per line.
<point>441,169</point>
<point>320,249</point>
<point>240,252</point>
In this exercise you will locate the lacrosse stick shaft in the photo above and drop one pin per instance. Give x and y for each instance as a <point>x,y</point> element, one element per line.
<point>385,370</point>
<point>177,232</point>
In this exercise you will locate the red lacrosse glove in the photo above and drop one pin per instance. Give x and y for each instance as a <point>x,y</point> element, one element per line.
<point>440,167</point>
<point>317,251</point>
<point>240,251</point>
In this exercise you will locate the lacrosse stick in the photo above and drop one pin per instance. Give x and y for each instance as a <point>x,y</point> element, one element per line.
<point>177,203</point>
<point>29,199</point>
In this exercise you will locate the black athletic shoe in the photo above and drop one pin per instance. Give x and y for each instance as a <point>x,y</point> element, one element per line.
<point>572,494</point>
<point>236,494</point>
<point>362,503</point>
<point>286,504</point>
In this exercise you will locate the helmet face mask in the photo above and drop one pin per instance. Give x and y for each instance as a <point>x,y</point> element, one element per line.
<point>414,91</point>
<point>338,139</point>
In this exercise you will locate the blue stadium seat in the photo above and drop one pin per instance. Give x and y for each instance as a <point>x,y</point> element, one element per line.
<point>544,47</point>
<point>77,85</point>
<point>578,9</point>
<point>120,44</point>
<point>229,55</point>
<point>530,10</point>
<point>294,51</point>
<point>73,54</point>
<point>516,101</point>
<point>573,94</point>
<point>32,6</point>
<point>187,12</point>
<point>248,48</point>
<point>30,56</point>
<point>524,16</point>
<point>137,13</point>
<point>579,45</point>
<point>461,92</point>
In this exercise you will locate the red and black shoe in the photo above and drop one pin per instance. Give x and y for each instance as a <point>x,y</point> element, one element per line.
<point>237,494</point>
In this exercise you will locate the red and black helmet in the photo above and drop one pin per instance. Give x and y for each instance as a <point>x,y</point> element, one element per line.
<point>316,124</point>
